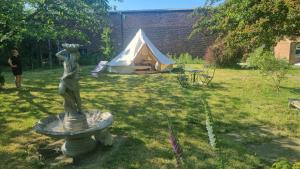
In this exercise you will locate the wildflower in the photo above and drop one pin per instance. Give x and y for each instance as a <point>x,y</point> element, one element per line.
<point>176,147</point>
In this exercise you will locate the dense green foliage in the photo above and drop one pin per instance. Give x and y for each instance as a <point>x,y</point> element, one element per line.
<point>107,47</point>
<point>269,66</point>
<point>241,26</point>
<point>50,19</point>
<point>38,27</point>
<point>185,58</point>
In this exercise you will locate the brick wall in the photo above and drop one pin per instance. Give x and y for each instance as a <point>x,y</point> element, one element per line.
<point>286,49</point>
<point>167,29</point>
<point>282,49</point>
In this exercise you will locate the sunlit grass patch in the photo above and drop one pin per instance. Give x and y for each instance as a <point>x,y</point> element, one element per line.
<point>246,110</point>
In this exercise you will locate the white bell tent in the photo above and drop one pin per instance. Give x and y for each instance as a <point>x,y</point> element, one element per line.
<point>140,56</point>
<point>99,68</point>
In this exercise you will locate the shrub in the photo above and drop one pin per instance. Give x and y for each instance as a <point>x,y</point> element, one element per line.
<point>221,55</point>
<point>179,69</point>
<point>107,48</point>
<point>90,59</point>
<point>285,164</point>
<point>186,58</point>
<point>269,66</point>
<point>282,164</point>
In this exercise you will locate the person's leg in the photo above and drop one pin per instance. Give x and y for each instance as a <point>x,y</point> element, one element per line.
<point>16,80</point>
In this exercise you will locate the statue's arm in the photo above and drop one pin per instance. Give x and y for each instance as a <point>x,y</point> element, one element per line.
<point>72,73</point>
<point>61,55</point>
<point>69,75</point>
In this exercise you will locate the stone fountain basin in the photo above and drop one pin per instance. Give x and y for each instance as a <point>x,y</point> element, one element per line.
<point>53,125</point>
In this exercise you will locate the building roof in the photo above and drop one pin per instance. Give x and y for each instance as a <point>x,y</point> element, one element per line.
<point>151,11</point>
<point>291,39</point>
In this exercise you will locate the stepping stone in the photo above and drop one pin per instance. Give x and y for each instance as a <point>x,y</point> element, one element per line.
<point>294,103</point>
<point>278,148</point>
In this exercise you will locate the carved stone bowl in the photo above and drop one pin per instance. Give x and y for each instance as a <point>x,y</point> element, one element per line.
<point>76,142</point>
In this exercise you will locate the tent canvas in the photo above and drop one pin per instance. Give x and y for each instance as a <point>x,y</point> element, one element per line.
<point>140,55</point>
<point>100,67</point>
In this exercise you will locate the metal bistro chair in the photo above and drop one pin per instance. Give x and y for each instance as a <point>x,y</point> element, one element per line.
<point>208,74</point>
<point>183,80</point>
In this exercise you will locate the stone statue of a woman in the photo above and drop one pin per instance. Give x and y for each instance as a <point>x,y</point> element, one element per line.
<point>69,88</point>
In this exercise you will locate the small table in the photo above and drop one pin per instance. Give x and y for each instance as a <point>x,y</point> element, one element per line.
<point>194,74</point>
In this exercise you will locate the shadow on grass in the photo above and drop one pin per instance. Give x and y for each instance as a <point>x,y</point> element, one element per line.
<point>127,152</point>
<point>295,90</point>
<point>19,115</point>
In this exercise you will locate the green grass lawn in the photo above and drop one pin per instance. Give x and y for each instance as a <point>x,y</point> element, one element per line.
<point>247,112</point>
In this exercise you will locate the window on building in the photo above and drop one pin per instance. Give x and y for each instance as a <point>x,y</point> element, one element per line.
<point>297,50</point>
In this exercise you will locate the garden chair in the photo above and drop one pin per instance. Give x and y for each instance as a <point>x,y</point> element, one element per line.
<point>208,74</point>
<point>183,80</point>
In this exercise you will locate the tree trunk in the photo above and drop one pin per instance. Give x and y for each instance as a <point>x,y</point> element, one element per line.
<point>40,54</point>
<point>50,54</point>
<point>58,48</point>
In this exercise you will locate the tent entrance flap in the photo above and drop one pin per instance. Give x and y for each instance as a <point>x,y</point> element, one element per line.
<point>145,57</point>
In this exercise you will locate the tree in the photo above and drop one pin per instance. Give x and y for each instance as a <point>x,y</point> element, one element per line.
<point>11,20</point>
<point>54,19</point>
<point>46,21</point>
<point>240,26</point>
<point>269,66</point>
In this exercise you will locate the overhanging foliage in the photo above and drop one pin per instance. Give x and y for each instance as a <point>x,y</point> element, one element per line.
<point>247,24</point>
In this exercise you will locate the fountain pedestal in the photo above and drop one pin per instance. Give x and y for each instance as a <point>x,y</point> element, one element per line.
<point>74,147</point>
<point>75,122</point>
<point>78,128</point>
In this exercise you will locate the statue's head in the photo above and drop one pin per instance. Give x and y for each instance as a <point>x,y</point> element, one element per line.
<point>71,47</point>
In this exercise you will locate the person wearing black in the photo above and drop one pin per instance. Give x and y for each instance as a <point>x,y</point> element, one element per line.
<point>14,62</point>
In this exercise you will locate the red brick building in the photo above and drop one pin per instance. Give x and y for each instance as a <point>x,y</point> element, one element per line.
<point>289,50</point>
<point>169,30</point>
